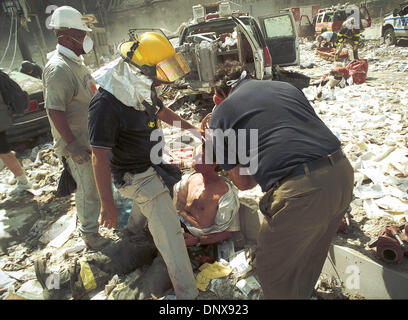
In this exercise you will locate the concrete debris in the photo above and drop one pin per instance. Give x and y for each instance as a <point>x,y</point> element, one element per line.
<point>31,290</point>
<point>5,281</point>
<point>370,120</point>
<point>248,284</point>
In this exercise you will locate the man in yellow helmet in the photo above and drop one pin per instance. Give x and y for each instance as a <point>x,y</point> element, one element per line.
<point>123,121</point>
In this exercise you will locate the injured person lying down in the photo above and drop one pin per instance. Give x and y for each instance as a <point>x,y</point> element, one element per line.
<point>208,205</point>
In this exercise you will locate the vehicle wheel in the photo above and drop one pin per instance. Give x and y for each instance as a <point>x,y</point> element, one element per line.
<point>389,37</point>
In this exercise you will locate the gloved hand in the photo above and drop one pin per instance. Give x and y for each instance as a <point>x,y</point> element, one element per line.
<point>78,152</point>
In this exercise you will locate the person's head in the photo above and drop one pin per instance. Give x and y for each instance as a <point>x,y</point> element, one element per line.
<point>70,30</point>
<point>324,30</point>
<point>226,75</point>
<point>155,57</point>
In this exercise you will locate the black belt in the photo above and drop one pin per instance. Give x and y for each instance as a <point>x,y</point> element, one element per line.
<point>307,167</point>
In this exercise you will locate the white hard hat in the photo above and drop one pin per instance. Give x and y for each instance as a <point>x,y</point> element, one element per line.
<point>68,17</point>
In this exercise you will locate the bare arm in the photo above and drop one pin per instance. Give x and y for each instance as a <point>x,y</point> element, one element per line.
<point>242,182</point>
<point>169,116</point>
<point>60,121</point>
<point>190,219</point>
<point>102,172</point>
<point>215,237</point>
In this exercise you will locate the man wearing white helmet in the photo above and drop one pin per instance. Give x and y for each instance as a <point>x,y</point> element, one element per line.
<point>68,89</point>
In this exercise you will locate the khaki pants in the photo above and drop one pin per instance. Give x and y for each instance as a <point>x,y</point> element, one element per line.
<point>152,197</point>
<point>86,196</point>
<point>301,218</point>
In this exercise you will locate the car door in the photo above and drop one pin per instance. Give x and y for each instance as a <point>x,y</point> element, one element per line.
<point>401,23</point>
<point>256,48</point>
<point>281,37</point>
<point>306,28</point>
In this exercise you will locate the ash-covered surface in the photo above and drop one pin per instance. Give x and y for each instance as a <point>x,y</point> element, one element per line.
<point>370,120</point>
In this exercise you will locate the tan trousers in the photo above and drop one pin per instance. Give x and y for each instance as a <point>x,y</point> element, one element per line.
<point>152,197</point>
<point>86,196</point>
<point>301,218</point>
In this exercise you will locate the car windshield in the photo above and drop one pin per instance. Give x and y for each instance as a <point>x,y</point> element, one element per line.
<point>340,15</point>
<point>280,26</point>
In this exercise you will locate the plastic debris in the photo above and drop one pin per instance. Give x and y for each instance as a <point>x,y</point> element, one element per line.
<point>240,264</point>
<point>87,276</point>
<point>225,249</point>
<point>211,271</point>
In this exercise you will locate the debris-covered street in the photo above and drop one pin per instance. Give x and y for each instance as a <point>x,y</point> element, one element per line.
<point>41,244</point>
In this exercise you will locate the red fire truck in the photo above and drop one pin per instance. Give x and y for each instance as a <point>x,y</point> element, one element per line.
<point>333,18</point>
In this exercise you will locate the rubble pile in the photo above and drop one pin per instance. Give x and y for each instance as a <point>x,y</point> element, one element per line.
<point>370,120</point>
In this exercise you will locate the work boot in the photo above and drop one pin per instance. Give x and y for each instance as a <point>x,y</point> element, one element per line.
<point>55,286</point>
<point>95,241</point>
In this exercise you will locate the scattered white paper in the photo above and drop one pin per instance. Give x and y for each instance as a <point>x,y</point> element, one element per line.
<point>59,232</point>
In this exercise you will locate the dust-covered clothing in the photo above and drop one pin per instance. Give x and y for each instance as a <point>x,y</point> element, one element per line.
<point>328,36</point>
<point>302,215</point>
<point>68,87</point>
<point>127,131</point>
<point>227,218</point>
<point>86,196</point>
<point>152,197</point>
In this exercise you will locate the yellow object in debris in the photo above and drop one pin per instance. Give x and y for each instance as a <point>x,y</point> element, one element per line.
<point>87,276</point>
<point>209,272</point>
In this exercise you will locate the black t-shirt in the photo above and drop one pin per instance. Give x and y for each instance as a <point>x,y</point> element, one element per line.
<point>288,134</point>
<point>124,130</point>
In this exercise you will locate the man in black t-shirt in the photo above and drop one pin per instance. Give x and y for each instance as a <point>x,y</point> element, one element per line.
<point>282,145</point>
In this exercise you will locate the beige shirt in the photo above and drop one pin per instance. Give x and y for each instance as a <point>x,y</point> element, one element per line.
<point>69,87</point>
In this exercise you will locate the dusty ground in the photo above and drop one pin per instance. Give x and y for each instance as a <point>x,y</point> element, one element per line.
<point>25,218</point>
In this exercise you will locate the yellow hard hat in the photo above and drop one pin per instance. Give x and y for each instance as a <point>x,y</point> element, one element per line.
<point>149,51</point>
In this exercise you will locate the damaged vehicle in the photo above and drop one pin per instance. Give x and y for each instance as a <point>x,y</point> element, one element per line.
<point>332,18</point>
<point>34,121</point>
<point>395,26</point>
<point>262,46</point>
